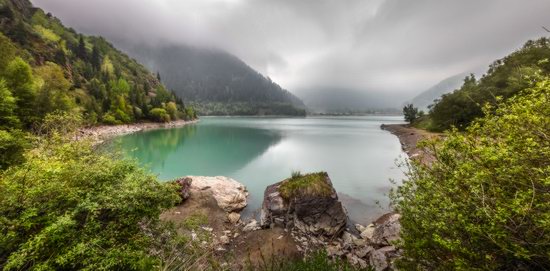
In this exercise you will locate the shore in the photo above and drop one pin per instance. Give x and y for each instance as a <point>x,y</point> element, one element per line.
<point>104,132</point>
<point>409,138</point>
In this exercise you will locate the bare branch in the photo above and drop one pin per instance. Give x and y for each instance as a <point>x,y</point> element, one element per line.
<point>547,30</point>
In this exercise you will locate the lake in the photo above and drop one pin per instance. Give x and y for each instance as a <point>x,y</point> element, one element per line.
<point>359,157</point>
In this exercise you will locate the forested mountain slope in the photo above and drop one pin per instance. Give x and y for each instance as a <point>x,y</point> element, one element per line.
<point>216,82</point>
<point>47,67</point>
<point>504,79</point>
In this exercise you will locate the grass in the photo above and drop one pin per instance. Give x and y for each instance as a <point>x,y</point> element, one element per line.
<point>318,261</point>
<point>194,221</point>
<point>313,184</point>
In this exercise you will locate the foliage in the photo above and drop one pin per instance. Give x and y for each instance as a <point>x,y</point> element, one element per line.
<point>411,113</point>
<point>308,184</point>
<point>484,203</point>
<point>49,67</point>
<point>13,143</point>
<point>505,78</point>
<point>68,207</point>
<point>159,114</point>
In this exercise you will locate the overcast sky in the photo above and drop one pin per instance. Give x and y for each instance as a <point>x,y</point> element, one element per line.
<point>392,46</point>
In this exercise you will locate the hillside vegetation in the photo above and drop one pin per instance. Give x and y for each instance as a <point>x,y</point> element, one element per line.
<point>504,79</point>
<point>47,67</point>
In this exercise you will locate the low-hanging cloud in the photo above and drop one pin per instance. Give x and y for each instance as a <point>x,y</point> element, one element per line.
<point>382,46</point>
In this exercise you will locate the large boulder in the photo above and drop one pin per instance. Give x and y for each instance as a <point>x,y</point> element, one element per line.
<point>229,194</point>
<point>308,203</point>
<point>386,230</point>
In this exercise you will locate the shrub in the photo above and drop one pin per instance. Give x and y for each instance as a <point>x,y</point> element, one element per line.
<point>67,207</point>
<point>484,203</point>
<point>159,115</point>
<point>309,184</point>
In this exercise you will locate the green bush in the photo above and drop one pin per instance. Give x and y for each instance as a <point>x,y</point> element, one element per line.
<point>308,184</point>
<point>318,261</point>
<point>67,207</point>
<point>159,115</point>
<point>484,203</point>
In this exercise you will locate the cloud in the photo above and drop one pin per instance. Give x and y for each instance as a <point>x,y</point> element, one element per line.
<point>392,46</point>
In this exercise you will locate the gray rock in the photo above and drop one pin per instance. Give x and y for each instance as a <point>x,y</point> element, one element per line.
<point>367,232</point>
<point>251,226</point>
<point>185,188</point>
<point>315,214</point>
<point>381,259</point>
<point>364,251</point>
<point>224,239</point>
<point>386,230</point>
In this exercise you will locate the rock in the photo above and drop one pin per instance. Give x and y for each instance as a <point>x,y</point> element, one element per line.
<point>381,259</point>
<point>334,250</point>
<point>229,194</point>
<point>362,252</point>
<point>185,188</point>
<point>234,217</point>
<point>347,238</point>
<point>386,230</point>
<point>367,232</point>
<point>311,214</point>
<point>354,260</point>
<point>224,239</point>
<point>251,226</point>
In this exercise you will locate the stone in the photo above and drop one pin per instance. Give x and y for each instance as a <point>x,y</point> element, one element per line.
<point>230,195</point>
<point>311,214</point>
<point>386,230</point>
<point>185,188</point>
<point>251,226</point>
<point>224,239</point>
<point>356,261</point>
<point>367,232</point>
<point>233,217</point>
<point>381,259</point>
<point>362,252</point>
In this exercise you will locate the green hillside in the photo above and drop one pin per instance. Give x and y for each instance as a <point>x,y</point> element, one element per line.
<point>504,79</point>
<point>47,67</point>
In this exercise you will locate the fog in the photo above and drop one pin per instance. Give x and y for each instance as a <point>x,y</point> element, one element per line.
<point>391,48</point>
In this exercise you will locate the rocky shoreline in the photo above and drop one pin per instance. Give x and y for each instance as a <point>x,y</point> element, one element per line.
<point>409,138</point>
<point>98,134</point>
<point>292,227</point>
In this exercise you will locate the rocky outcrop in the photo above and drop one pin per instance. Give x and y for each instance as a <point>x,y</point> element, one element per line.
<point>229,194</point>
<point>313,214</point>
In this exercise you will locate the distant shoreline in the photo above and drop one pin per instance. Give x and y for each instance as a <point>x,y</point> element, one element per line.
<point>101,133</point>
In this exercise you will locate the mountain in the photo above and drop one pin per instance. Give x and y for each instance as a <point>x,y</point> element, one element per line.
<point>67,71</point>
<point>341,101</point>
<point>427,97</point>
<point>216,82</point>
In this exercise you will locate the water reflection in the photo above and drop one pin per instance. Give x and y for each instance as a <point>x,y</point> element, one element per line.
<point>198,150</point>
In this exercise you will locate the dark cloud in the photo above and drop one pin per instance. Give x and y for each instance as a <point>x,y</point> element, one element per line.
<point>390,46</point>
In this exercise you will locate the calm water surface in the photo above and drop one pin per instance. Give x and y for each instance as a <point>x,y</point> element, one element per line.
<point>359,157</point>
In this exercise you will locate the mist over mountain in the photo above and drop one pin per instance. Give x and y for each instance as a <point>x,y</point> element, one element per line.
<point>214,81</point>
<point>338,100</point>
<point>427,97</point>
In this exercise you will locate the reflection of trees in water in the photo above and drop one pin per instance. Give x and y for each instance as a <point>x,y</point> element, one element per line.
<point>199,149</point>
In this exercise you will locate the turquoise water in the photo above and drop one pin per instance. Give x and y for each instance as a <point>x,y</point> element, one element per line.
<point>359,157</point>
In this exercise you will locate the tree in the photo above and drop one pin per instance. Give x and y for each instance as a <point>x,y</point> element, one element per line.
<point>96,59</point>
<point>53,89</point>
<point>158,76</point>
<point>172,110</point>
<point>159,115</point>
<point>8,105</point>
<point>484,203</point>
<point>81,51</point>
<point>411,113</point>
<point>20,80</point>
